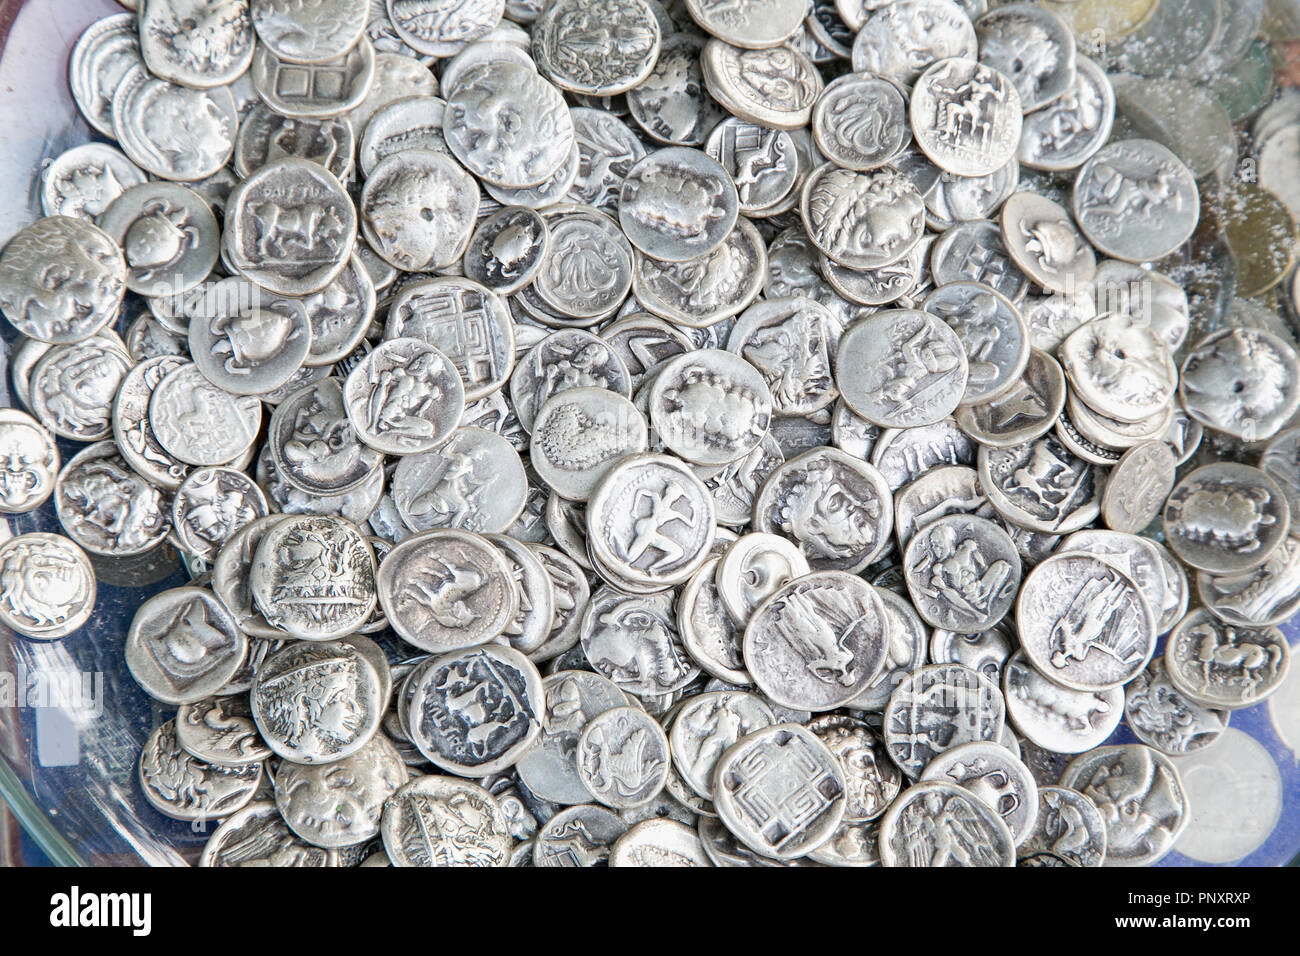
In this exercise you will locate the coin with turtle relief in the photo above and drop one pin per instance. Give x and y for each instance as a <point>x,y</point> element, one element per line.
<point>83,181</point>
<point>475,480</point>
<point>1083,623</point>
<point>1224,666</point>
<point>418,210</point>
<point>183,645</point>
<point>966,117</point>
<point>61,280</point>
<point>1141,799</point>
<point>309,33</point>
<point>246,341</point>
<point>106,507</point>
<point>73,386</point>
<point>47,586</point>
<point>578,836</point>
<point>1161,716</point>
<point>1226,518</point>
<point>633,641</point>
<point>599,48</point>
<point>220,730</point>
<point>818,642</point>
<point>171,131</point>
<point>775,87</point>
<point>29,462</point>
<point>1054,717</point>
<point>180,786</point>
<point>445,821</point>
<point>405,397</point>
<point>997,777</point>
<point>901,368</point>
<point>677,204</point>
<point>580,434</point>
<point>1043,240</point>
<point>962,572</point>
<point>167,45</point>
<point>710,406</point>
<point>1241,381</point>
<point>862,220</point>
<point>314,446</point>
<point>783,772</point>
<point>339,804</point>
<point>446,590</point>
<point>475,712</point>
<point>101,57</point>
<point>939,707</point>
<point>1031,46</point>
<point>1136,201</point>
<point>211,505</point>
<point>622,757</point>
<point>860,121</point>
<point>1067,132</point>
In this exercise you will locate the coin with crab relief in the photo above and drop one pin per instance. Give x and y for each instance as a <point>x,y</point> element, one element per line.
<point>404,398</point>
<point>507,249</point>
<point>901,368</point>
<point>966,117</point>
<point>633,641</point>
<point>962,572</point>
<point>1066,133</point>
<point>183,645</point>
<point>1242,381</point>
<point>1032,47</point>
<point>1221,665</point>
<point>180,786</point>
<point>580,434</point>
<point>339,804</point>
<point>211,505</point>
<point>622,757</point>
<point>1083,623</point>
<point>474,480</point>
<point>47,586</point>
<point>1054,717</point>
<point>600,48</point>
<point>445,590</point>
<point>309,33</point>
<point>171,131</point>
<point>61,280</point>
<point>775,87</point>
<point>818,642</point>
<point>1226,518</point>
<point>246,341</point>
<point>1136,201</point>
<point>1045,243</point>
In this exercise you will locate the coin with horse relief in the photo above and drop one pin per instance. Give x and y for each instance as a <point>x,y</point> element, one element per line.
<point>1221,665</point>
<point>1226,518</point>
<point>818,642</point>
<point>580,434</point>
<point>862,220</point>
<point>901,368</point>
<point>967,117</point>
<point>418,210</point>
<point>404,398</point>
<point>623,757</point>
<point>962,572</point>
<point>47,586</point>
<point>211,505</point>
<point>106,507</point>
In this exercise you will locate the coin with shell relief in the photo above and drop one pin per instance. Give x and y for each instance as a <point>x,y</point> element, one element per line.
<point>443,821</point>
<point>754,567</point>
<point>106,507</point>
<point>580,434</point>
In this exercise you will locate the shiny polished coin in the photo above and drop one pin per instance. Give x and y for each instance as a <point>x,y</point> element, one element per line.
<point>622,757</point>
<point>404,397</point>
<point>775,87</point>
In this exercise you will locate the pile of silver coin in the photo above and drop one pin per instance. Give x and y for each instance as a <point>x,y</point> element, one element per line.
<point>715,432</point>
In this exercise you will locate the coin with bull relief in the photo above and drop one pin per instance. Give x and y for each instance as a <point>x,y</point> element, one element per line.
<point>966,117</point>
<point>901,368</point>
<point>775,87</point>
<point>962,572</point>
<point>1226,518</point>
<point>633,641</point>
<point>1221,665</point>
<point>47,586</point>
<point>106,507</point>
<point>246,341</point>
<point>1040,485</point>
<point>172,131</point>
<point>180,786</point>
<point>211,505</point>
<point>1241,381</point>
<point>443,821</point>
<point>1055,717</point>
<point>183,645</point>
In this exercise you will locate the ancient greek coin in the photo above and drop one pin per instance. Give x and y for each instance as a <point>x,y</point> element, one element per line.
<point>183,645</point>
<point>1135,200</point>
<point>966,117</point>
<point>1055,717</point>
<point>180,786</point>
<point>417,210</point>
<point>106,508</point>
<point>939,707</point>
<point>47,586</point>
<point>937,823</point>
<point>442,821</point>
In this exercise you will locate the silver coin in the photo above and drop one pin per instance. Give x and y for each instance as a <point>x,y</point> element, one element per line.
<point>245,341</point>
<point>339,804</point>
<point>183,646</point>
<point>763,163</point>
<point>563,360</point>
<point>324,88</point>
<point>29,462</point>
<point>1052,318</point>
<point>656,842</point>
<point>211,505</point>
<point>792,342</point>
<point>580,434</point>
<point>975,251</point>
<point>962,572</point>
<point>702,291</point>
<point>677,204</point>
<point>446,590</point>
<point>860,121</point>
<point>671,105</point>
<point>587,268</point>
<point>993,334</point>
<point>61,280</point>
<point>710,406</point>
<point>622,757</point>
<point>266,137</point>
<point>1039,485</point>
<point>708,632</point>
<point>1083,623</point>
<point>966,117</point>
<point>396,77</point>
<point>1031,46</point>
<point>1223,666</point>
<point>47,586</point>
<point>148,338</point>
<point>1137,487</point>
<point>871,778</point>
<point>1136,201</point>
<point>171,131</point>
<point>1141,799</point>
<point>106,508</point>
<point>577,837</point>
<point>573,698</point>
<point>782,772</point>
<point>901,368</point>
<point>907,636</point>
<point>939,707</point>
<point>309,33</point>
<point>1054,717</point>
<point>220,730</point>
<point>1069,131</point>
<point>412,122</point>
<point>531,626</point>
<point>775,87</point>
<point>599,48</point>
<point>986,652</point>
<point>996,776</point>
<point>180,786</point>
<point>475,481</point>
<point>1241,381</point>
<point>633,641</point>
<point>1120,368</point>
<point>418,209</point>
<point>168,234</point>
<point>950,198</point>
<point>862,220</point>
<point>83,181</point>
<point>443,27</point>
<point>166,29</point>
<point>1164,718</point>
<point>258,836</point>
<point>753,568</point>
<point>1226,518</point>
<point>754,24</point>
<point>507,250</point>
<point>571,592</point>
<point>404,398</point>
<point>103,54</point>
<point>937,823</point>
<point>1026,412</point>
<point>442,821</point>
<point>73,386</point>
<point>902,455</point>
<point>898,41</point>
<point>1045,243</point>
<point>1069,827</point>
<point>706,725</point>
<point>607,149</point>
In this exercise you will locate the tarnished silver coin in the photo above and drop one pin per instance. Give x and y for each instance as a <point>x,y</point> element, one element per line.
<point>937,823</point>
<point>339,804</point>
<point>1054,717</point>
<point>1083,623</point>
<point>265,137</point>
<point>475,712</point>
<point>1161,716</point>
<point>211,505</point>
<point>183,645</point>
<point>672,105</point>
<point>1262,597</point>
<point>993,335</point>
<point>939,707</point>
<point>1069,827</point>
<point>1045,243</point>
<point>898,41</point>
<point>659,843</point>
<point>995,775</point>
<point>73,386</point>
<point>573,698</point>
<point>633,641</point>
<point>622,757</point>
<point>1224,666</point>
<point>775,87</point>
<point>763,163</point>
<point>901,368</point>
<point>418,210</point>
<point>180,786</point>
<point>443,821</point>
<point>792,341</point>
<point>167,29</point>
<point>702,291</point>
<point>61,280</point>
<point>220,730</point>
<point>446,590</point>
<point>172,131</point>
<point>818,642</point>
<point>1141,799</point>
<point>405,397</point>
<point>507,249</point>
<point>1242,381</point>
<point>780,791</point>
<point>966,117</point>
<point>1031,46</point>
<point>1226,518</point>
<point>1023,413</point>
<point>1135,200</point>
<point>47,586</point>
<point>108,509</point>
<point>570,358</point>
<point>1067,132</point>
<point>962,572</point>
